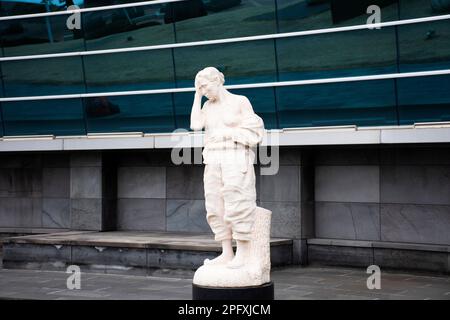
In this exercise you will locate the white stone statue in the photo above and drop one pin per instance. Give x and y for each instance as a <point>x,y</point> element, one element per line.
<point>231,130</point>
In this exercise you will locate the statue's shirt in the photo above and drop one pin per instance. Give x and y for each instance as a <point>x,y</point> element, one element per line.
<point>218,119</point>
<point>234,118</point>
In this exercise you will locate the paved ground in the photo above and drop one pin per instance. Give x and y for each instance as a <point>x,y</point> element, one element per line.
<point>290,283</point>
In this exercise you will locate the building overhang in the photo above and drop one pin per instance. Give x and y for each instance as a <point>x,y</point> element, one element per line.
<point>436,132</point>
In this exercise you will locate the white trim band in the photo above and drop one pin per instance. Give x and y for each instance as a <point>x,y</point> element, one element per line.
<point>229,40</point>
<point>238,86</point>
<point>350,135</point>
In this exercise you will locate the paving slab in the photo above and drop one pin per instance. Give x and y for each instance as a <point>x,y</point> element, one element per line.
<point>291,283</point>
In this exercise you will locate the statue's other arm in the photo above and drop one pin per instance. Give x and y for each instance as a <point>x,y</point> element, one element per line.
<point>197,114</point>
<point>251,129</point>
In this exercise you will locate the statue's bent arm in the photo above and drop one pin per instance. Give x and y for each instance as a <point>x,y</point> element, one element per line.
<point>251,128</point>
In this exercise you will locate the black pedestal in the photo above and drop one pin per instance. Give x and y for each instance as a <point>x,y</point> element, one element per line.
<point>262,292</point>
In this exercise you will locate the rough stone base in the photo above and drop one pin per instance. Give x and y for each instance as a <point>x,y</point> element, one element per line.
<point>255,271</point>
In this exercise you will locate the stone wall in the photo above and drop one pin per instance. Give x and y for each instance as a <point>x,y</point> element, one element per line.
<point>44,192</point>
<point>35,190</point>
<point>395,194</point>
<point>365,194</point>
<point>154,194</point>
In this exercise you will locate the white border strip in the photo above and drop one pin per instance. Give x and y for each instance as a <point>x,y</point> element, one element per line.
<point>230,40</point>
<point>238,86</point>
<point>292,137</point>
<point>100,8</point>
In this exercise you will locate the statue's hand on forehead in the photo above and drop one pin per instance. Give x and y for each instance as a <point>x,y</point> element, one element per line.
<point>198,91</point>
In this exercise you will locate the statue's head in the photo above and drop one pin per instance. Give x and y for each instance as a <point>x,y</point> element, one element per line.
<point>209,81</point>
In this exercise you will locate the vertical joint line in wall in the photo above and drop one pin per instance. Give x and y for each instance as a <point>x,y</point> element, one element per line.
<point>3,86</point>
<point>174,27</point>
<point>276,16</point>
<point>312,186</point>
<point>3,94</point>
<point>175,122</point>
<point>3,83</point>
<point>83,108</point>
<point>277,73</point>
<point>3,120</point>
<point>82,27</point>
<point>174,111</point>
<point>379,194</point>
<point>70,191</point>
<point>373,255</point>
<point>166,189</point>
<point>300,198</point>
<point>275,42</point>
<point>83,105</point>
<point>397,50</point>
<point>147,268</point>
<point>172,51</point>
<point>165,207</point>
<point>397,64</point>
<point>277,121</point>
<point>396,102</point>
<point>83,69</point>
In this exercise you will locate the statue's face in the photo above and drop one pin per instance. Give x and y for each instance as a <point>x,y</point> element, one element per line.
<point>210,89</point>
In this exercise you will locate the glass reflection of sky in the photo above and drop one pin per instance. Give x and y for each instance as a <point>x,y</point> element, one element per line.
<point>57,3</point>
<point>408,48</point>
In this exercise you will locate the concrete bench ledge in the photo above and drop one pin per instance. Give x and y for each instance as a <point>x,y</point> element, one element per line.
<point>131,239</point>
<point>379,244</point>
<point>142,253</point>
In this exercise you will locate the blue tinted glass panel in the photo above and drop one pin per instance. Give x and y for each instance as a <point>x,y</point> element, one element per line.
<point>183,105</point>
<point>14,8</point>
<point>301,15</point>
<point>141,113</point>
<point>101,3</point>
<point>262,100</point>
<point>1,81</point>
<point>39,36</point>
<point>362,103</point>
<point>424,46</point>
<point>243,62</point>
<point>43,76</point>
<point>340,54</point>
<point>410,9</point>
<point>127,27</point>
<point>58,117</point>
<point>198,20</point>
<point>263,103</point>
<point>424,99</point>
<point>1,121</point>
<point>138,70</point>
<point>11,8</point>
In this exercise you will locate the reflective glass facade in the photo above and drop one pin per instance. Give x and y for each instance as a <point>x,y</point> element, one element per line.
<point>407,48</point>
